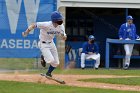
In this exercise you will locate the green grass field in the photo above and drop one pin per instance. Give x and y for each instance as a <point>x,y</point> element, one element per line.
<point>85,72</point>
<point>23,64</point>
<point>29,63</point>
<point>98,72</point>
<point>124,81</point>
<point>21,87</point>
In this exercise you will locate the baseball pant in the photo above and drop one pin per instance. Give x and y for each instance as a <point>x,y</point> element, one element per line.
<point>49,52</point>
<point>128,52</point>
<point>95,57</point>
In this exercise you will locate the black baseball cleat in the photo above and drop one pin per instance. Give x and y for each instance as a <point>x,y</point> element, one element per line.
<point>83,68</point>
<point>48,75</point>
<point>96,68</point>
<point>126,67</point>
<point>43,63</point>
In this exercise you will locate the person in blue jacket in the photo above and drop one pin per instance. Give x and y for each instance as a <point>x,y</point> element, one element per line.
<point>127,31</point>
<point>90,50</point>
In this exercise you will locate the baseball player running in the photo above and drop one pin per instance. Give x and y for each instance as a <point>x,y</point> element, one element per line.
<point>90,50</point>
<point>127,31</point>
<point>48,30</point>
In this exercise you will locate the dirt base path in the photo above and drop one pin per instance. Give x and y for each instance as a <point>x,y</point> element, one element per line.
<point>71,80</point>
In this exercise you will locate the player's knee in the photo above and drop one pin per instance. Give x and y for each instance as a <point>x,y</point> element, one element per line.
<point>54,64</point>
<point>128,54</point>
<point>99,55</point>
<point>83,55</point>
<point>49,60</point>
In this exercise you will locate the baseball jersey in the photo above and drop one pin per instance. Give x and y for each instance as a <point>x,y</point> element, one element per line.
<point>48,31</point>
<point>128,31</point>
<point>90,48</point>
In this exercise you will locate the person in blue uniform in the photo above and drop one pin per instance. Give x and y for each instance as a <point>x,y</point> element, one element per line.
<point>127,31</point>
<point>90,50</point>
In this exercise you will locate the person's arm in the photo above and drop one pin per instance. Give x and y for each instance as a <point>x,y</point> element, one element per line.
<point>30,28</point>
<point>63,33</point>
<point>41,25</point>
<point>121,32</point>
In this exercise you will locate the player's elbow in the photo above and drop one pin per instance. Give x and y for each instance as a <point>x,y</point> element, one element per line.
<point>33,25</point>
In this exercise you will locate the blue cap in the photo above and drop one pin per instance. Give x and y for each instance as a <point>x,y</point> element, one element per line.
<point>56,16</point>
<point>91,37</point>
<point>129,18</point>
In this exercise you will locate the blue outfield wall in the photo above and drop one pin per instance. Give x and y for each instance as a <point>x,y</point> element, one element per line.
<point>15,17</point>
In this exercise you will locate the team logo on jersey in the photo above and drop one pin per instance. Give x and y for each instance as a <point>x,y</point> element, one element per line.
<point>128,30</point>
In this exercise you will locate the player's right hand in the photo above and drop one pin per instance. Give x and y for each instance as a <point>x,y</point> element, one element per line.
<point>24,34</point>
<point>64,38</point>
<point>120,38</point>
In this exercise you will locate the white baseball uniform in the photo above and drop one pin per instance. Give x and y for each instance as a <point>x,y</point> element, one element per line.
<point>93,56</point>
<point>46,44</point>
<point>128,50</point>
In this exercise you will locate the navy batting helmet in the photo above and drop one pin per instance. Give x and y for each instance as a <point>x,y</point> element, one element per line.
<point>56,16</point>
<point>91,37</point>
<point>129,18</point>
